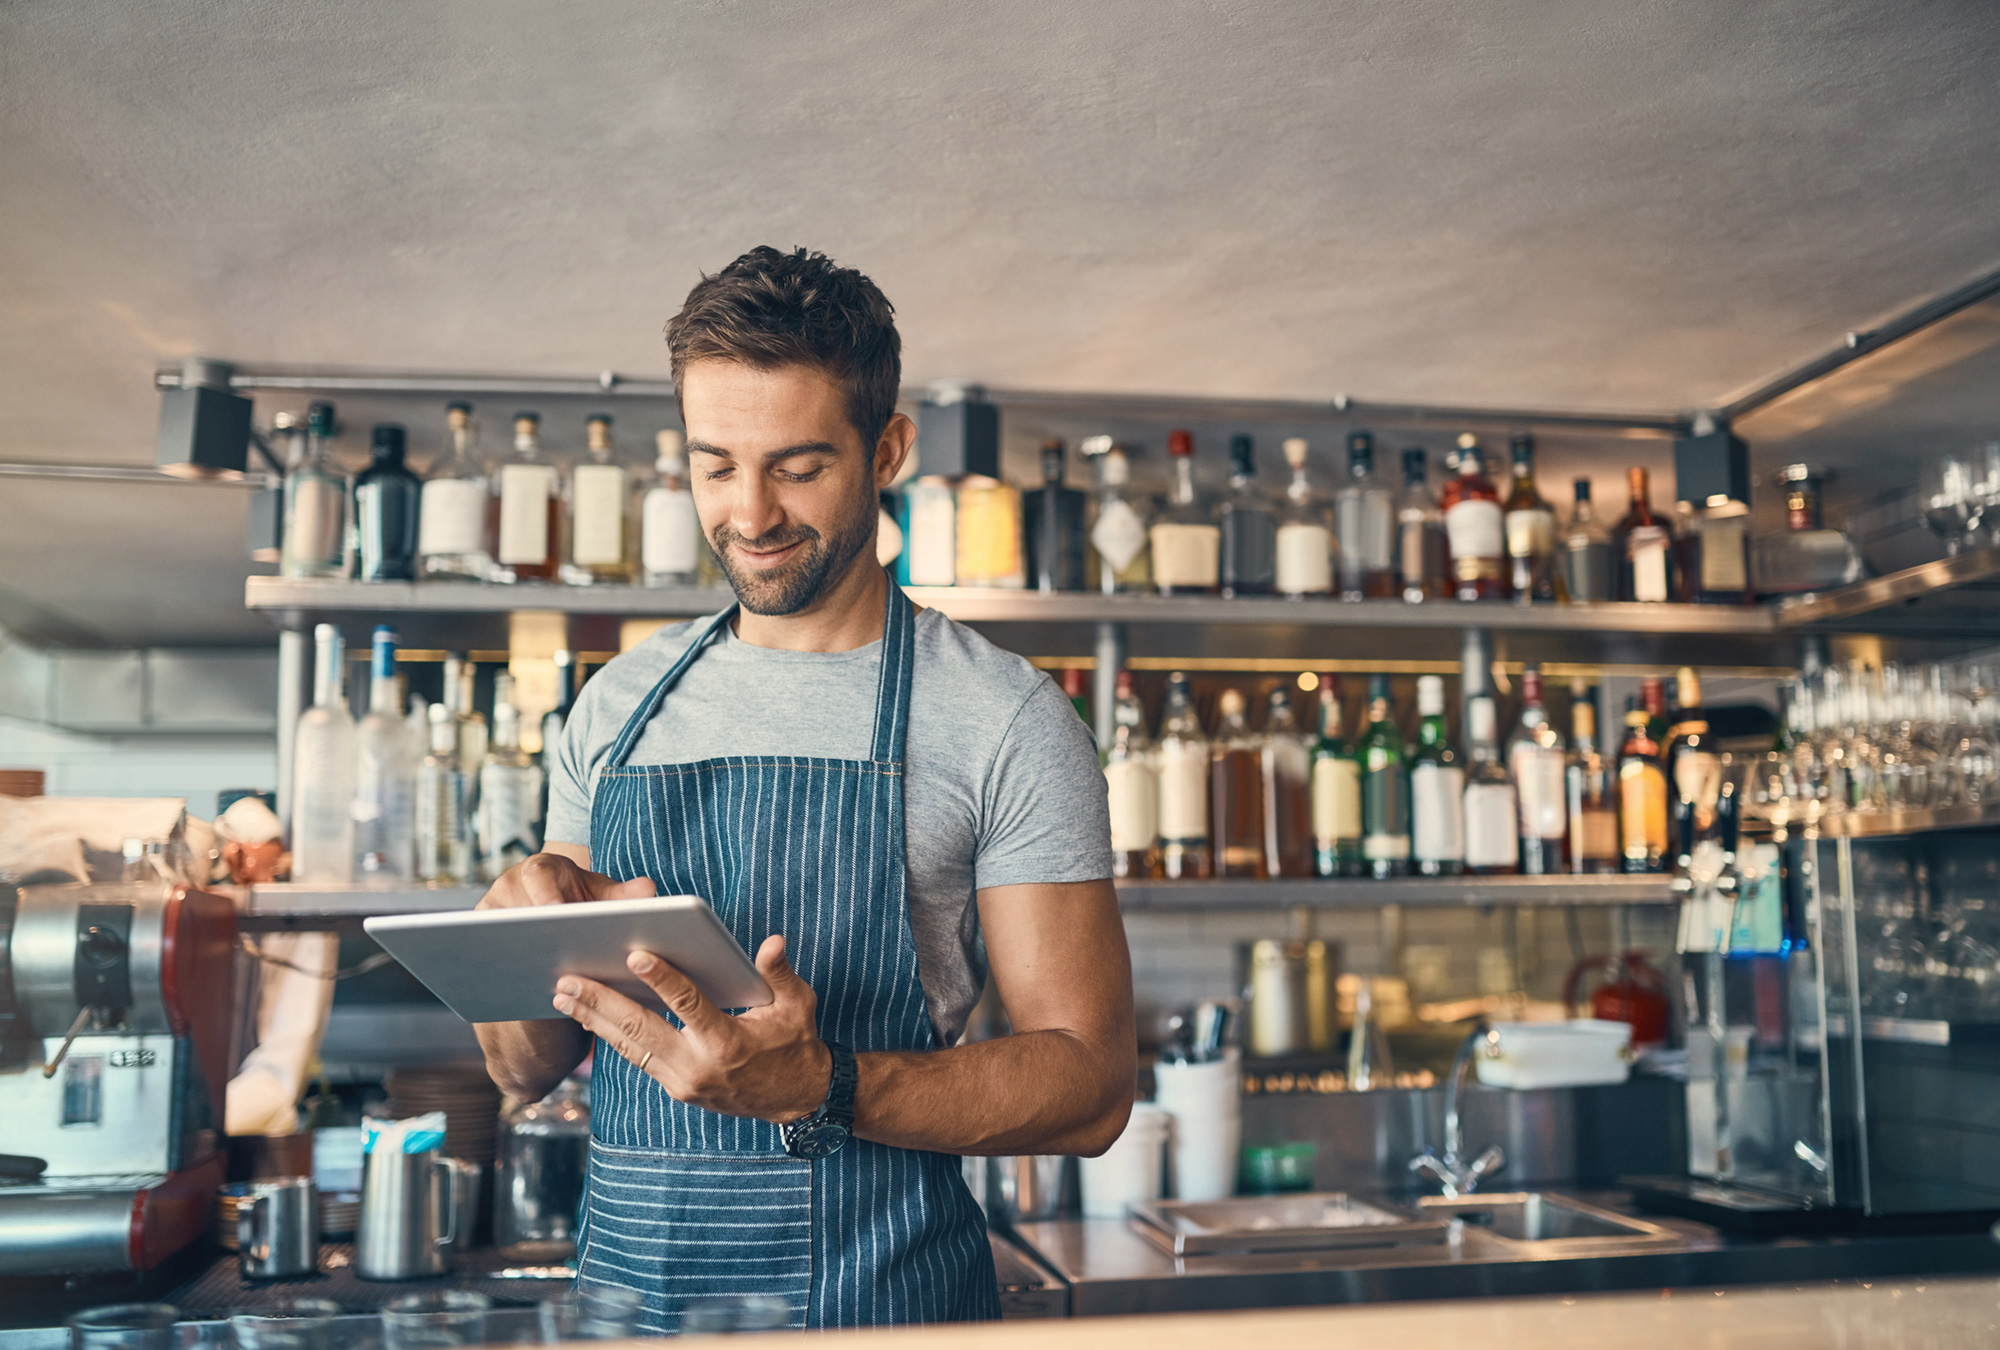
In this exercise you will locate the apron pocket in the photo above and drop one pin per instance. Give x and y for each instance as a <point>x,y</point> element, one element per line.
<point>677,1227</point>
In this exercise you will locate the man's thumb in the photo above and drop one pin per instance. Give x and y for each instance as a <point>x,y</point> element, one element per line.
<point>772,965</point>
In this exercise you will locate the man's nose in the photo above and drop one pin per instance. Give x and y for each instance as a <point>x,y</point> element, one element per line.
<point>753,507</point>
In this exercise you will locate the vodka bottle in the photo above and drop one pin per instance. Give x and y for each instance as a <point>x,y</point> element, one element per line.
<point>1437,789</point>
<point>454,540</point>
<point>1365,520</point>
<point>1305,536</point>
<point>1536,761</point>
<point>323,774</point>
<point>386,496</point>
<point>1187,543</point>
<point>510,797</point>
<point>443,857</point>
<point>669,529</point>
<point>600,538</point>
<point>527,506</point>
<point>315,539</point>
<point>384,776</point>
<point>1249,542</point>
<point>1336,792</point>
<point>1132,783</point>
<point>1490,813</point>
<point>1184,843</point>
<point>1118,533</point>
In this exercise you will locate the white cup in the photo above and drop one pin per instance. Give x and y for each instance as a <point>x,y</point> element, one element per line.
<point>1128,1173</point>
<point>1206,1105</point>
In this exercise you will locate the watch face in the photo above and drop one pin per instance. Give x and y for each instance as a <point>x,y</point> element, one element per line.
<point>819,1139</point>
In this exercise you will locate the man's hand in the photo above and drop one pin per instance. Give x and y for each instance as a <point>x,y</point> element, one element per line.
<point>552,879</point>
<point>767,1064</point>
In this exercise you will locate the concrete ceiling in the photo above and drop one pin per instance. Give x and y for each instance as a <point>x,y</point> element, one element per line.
<point>1570,203</point>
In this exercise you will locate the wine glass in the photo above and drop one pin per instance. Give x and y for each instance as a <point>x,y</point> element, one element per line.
<point>1952,497</point>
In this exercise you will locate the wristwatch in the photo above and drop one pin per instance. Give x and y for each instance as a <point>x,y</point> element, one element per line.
<point>822,1133</point>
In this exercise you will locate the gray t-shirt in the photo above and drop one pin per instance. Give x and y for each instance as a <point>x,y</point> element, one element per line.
<point>1002,785</point>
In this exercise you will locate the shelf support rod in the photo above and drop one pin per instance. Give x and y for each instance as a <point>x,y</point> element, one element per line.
<point>1114,647</point>
<point>291,702</point>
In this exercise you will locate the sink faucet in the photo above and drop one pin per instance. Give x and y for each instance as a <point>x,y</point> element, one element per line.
<point>1452,1172</point>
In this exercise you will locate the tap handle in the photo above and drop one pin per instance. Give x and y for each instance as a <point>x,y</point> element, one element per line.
<point>1487,1163</point>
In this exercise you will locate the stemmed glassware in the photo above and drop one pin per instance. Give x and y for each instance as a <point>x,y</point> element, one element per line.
<point>1863,738</point>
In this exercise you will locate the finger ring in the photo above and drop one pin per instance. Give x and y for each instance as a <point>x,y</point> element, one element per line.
<point>644,1062</point>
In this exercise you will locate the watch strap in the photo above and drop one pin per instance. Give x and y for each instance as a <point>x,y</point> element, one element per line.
<point>839,1104</point>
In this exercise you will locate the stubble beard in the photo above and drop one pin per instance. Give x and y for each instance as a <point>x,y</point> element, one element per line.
<point>800,582</point>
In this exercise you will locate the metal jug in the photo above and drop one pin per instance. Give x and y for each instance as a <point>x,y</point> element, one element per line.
<point>409,1207</point>
<point>277,1229</point>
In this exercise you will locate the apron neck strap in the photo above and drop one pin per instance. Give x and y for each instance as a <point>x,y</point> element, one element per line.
<point>635,726</point>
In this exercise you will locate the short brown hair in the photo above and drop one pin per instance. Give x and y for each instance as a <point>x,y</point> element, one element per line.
<point>771,309</point>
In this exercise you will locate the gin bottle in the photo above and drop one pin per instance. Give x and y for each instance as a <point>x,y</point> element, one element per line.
<point>1052,522</point>
<point>1385,787</point>
<point>386,496</point>
<point>323,773</point>
<point>669,529</point>
<point>1490,810</point>
<point>1437,789</point>
<point>1423,563</point>
<point>1336,792</point>
<point>1305,539</point>
<point>597,499</point>
<point>1187,543</point>
<point>453,533</point>
<point>315,539</point>
<point>527,506</point>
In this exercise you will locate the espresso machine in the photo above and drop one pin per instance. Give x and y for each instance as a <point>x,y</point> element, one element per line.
<point>115,1022</point>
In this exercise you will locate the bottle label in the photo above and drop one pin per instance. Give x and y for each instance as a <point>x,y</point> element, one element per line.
<point>1489,826</point>
<point>1378,531</point>
<point>597,506</point>
<point>669,531</point>
<point>932,543</point>
<point>1135,808</point>
<point>1698,779</point>
<point>1588,569</point>
<point>1437,808</point>
<point>989,537</point>
<point>1473,527</point>
<point>1540,782</point>
<point>1305,559</point>
<point>1648,551</point>
<point>1183,793</point>
<point>1642,810</point>
<point>1530,534</point>
<point>1336,800</point>
<point>1187,557</point>
<point>1385,813</point>
<point>525,490</point>
<point>1119,534</point>
<point>1593,834</point>
<point>453,518</point>
<point>1724,564</point>
<point>315,525</point>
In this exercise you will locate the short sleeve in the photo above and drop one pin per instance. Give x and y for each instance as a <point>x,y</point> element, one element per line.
<point>1044,813</point>
<point>569,776</point>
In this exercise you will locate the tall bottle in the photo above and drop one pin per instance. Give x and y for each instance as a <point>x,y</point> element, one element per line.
<point>1437,789</point>
<point>527,506</point>
<point>1423,560</point>
<point>386,499</point>
<point>1591,796</point>
<point>510,797</point>
<point>1132,784</point>
<point>1653,698</point>
<point>1531,531</point>
<point>1492,845</point>
<point>1336,792</point>
<point>454,533</point>
<point>460,683</point>
<point>323,773</point>
<point>989,534</point>
<point>1385,787</point>
<point>1475,527</point>
<point>385,775</point>
<point>1187,543</point>
<point>315,540</point>
<point>1118,530</point>
<point>1305,536</point>
<point>1184,772</point>
<point>669,529</point>
<point>1287,768</point>
<point>1249,542</point>
<point>1694,769</point>
<point>930,533</point>
<point>1642,796</point>
<point>1365,520</point>
<point>1587,564</point>
<point>1642,545</point>
<point>600,542</point>
<point>443,849</point>
<point>1053,520</point>
<point>1536,759</point>
<point>1236,805</point>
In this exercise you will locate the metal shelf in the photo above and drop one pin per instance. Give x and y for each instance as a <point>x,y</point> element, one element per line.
<point>1428,892</point>
<point>1908,587</point>
<point>297,904</point>
<point>1904,821</point>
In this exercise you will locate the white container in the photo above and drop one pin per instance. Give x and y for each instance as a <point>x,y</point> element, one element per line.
<point>1205,1103</point>
<point>1580,1053</point>
<point>1128,1173</point>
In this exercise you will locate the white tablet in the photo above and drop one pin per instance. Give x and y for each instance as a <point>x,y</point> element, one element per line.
<point>501,965</point>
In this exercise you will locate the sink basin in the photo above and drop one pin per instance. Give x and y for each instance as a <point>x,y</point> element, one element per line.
<point>1541,1218</point>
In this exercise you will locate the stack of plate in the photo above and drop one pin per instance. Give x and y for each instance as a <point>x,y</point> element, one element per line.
<point>470,1102</point>
<point>225,1213</point>
<point>339,1213</point>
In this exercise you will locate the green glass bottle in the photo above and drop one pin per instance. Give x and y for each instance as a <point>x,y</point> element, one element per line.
<point>1385,787</point>
<point>1336,792</point>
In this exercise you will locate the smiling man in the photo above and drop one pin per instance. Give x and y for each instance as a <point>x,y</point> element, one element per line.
<point>880,804</point>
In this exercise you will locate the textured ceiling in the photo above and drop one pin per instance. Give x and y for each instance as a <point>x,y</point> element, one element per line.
<point>1580,203</point>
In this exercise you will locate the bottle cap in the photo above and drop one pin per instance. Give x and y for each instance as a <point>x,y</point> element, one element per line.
<point>1360,450</point>
<point>1052,460</point>
<point>1180,443</point>
<point>1531,686</point>
<point>1242,456</point>
<point>1117,469</point>
<point>1126,683</point>
<point>1231,703</point>
<point>386,442</point>
<point>1415,465</point>
<point>670,448</point>
<point>1378,686</point>
<point>459,407</point>
<point>1582,489</point>
<point>1430,696</point>
<point>1523,447</point>
<point>1295,451</point>
<point>319,418</point>
<point>1467,441</point>
<point>597,431</point>
<point>383,652</point>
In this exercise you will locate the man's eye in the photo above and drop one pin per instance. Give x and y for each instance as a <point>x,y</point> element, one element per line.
<point>715,475</point>
<point>805,477</point>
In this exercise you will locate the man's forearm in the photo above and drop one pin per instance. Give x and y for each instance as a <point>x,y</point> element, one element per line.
<point>527,1059</point>
<point>1049,1092</point>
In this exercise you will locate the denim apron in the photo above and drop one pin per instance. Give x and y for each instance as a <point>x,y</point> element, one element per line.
<point>683,1203</point>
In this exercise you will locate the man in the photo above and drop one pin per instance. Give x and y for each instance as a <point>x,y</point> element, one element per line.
<point>877,802</point>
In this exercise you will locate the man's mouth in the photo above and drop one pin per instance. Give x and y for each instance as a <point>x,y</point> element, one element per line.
<point>768,558</point>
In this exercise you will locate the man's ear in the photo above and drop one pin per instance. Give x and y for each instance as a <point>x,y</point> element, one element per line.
<point>899,440</point>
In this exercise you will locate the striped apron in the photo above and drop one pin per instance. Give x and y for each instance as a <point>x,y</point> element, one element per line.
<point>683,1203</point>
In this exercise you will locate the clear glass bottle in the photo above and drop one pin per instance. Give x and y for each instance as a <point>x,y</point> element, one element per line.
<point>1537,761</point>
<point>527,507</point>
<point>443,852</point>
<point>930,533</point>
<point>1385,787</point>
<point>1187,543</point>
<point>1184,771</point>
<point>1287,767</point>
<point>385,775</point>
<point>1531,531</point>
<point>1336,792</point>
<point>315,539</point>
<point>323,763</point>
<point>1305,532</point>
<point>669,529</point>
<point>1052,520</point>
<point>510,797</point>
<point>1437,789</point>
<point>1236,791</point>
<point>1475,527</point>
<point>989,534</point>
<point>1491,815</point>
<point>1118,529</point>
<point>1642,795</point>
<point>1807,556</point>
<point>1365,521</point>
<point>1592,799</point>
<point>454,533</point>
<point>1587,564</point>
<point>460,684</point>
<point>386,501</point>
<point>1132,783</point>
<point>599,543</point>
<point>1423,560</point>
<point>1643,546</point>
<point>1249,524</point>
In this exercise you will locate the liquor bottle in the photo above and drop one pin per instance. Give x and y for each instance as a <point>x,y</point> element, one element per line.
<point>1184,770</point>
<point>1642,546</point>
<point>386,500</point>
<point>930,533</point>
<point>1249,542</point>
<point>1336,792</point>
<point>1475,527</point>
<point>1385,787</point>
<point>443,857</point>
<point>1531,531</point>
<point>1365,521</point>
<point>1132,784</point>
<point>1287,768</point>
<point>1053,520</point>
<point>1592,801</point>
<point>1807,556</point>
<point>1720,572</point>
<point>669,529</point>
<point>1694,769</point>
<point>1437,789</point>
<point>454,538</point>
<point>1491,812</point>
<point>1535,759</point>
<point>315,538</point>
<point>1653,698</point>
<point>1236,791</point>
<point>599,535</point>
<point>556,718</point>
<point>384,776</point>
<point>1187,543</point>
<point>1118,533</point>
<point>527,506</point>
<point>1076,688</point>
<point>510,797</point>
<point>1642,796</point>
<point>1423,560</point>
<point>323,763</point>
<point>460,681</point>
<point>989,534</point>
<point>1588,573</point>
<point>1305,536</point>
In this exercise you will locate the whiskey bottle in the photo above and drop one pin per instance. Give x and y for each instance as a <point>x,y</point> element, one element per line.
<point>1535,760</point>
<point>1531,531</point>
<point>454,539</point>
<point>527,507</point>
<point>989,534</point>
<point>1437,789</point>
<point>386,500</point>
<point>1187,543</point>
<point>1249,540</point>
<point>1491,813</point>
<point>1287,765</point>
<point>1642,546</point>
<point>1423,561</point>
<point>1305,537</point>
<point>1385,787</point>
<point>1592,800</point>
<point>669,529</point>
<point>1642,796</point>
<point>1132,784</point>
<point>1588,573</point>
<point>1184,771</point>
<point>1475,527</point>
<point>1236,791</point>
<point>1365,522</point>
<point>598,535</point>
<point>1053,521</point>
<point>1336,792</point>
